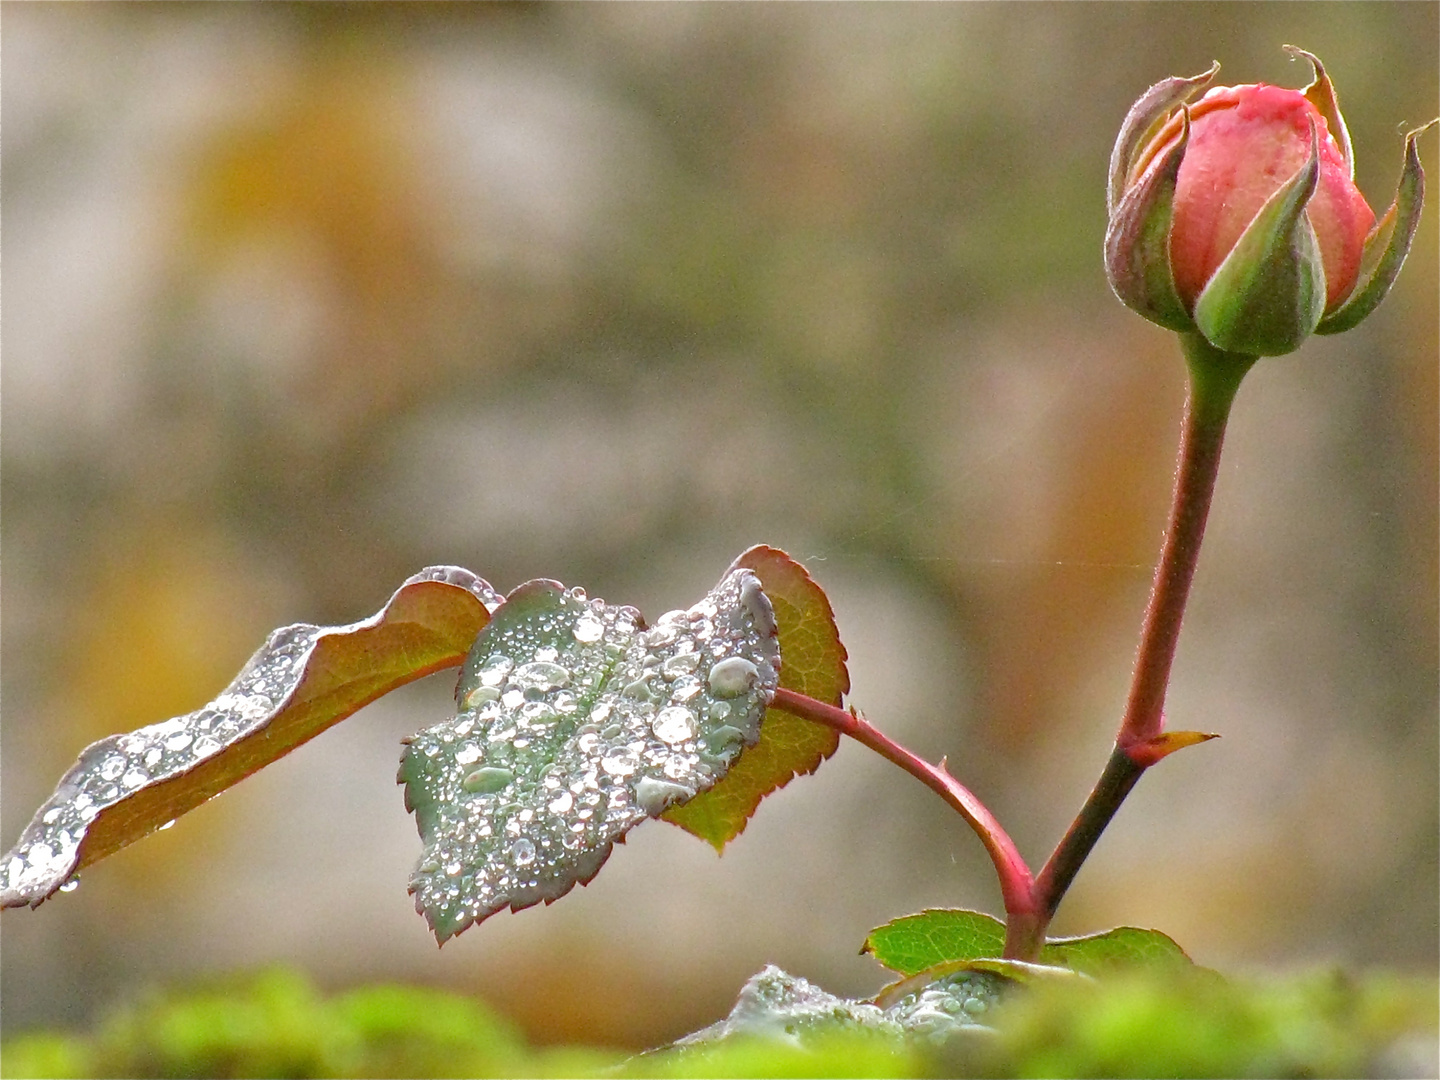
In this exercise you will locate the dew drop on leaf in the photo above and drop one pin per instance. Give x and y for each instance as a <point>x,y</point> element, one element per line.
<point>732,676</point>
<point>674,725</point>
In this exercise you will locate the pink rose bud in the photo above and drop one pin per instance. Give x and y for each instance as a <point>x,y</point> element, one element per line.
<point>1238,216</point>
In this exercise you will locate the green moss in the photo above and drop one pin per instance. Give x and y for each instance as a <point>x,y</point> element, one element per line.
<point>275,1023</point>
<point>1201,1025</point>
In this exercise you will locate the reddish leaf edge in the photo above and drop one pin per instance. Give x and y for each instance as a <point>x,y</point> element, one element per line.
<point>777,559</point>
<point>32,889</point>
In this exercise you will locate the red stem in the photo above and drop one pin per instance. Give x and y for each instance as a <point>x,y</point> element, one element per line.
<point>1015,879</point>
<point>1030,902</point>
<point>1214,378</point>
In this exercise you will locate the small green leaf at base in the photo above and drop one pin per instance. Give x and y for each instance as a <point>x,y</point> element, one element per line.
<point>1111,950</point>
<point>913,943</point>
<point>789,746</point>
<point>301,681</point>
<point>927,939</point>
<point>575,724</point>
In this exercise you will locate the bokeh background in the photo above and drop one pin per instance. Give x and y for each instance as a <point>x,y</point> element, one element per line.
<point>300,299</point>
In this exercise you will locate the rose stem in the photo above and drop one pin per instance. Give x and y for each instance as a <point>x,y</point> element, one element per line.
<point>1215,375</point>
<point>1016,883</point>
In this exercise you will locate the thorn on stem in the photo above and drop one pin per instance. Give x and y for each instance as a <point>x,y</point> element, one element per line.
<point>1147,752</point>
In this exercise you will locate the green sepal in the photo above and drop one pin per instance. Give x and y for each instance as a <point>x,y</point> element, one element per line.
<point>1386,246</point>
<point>1137,242</point>
<point>1142,122</point>
<point>1268,295</point>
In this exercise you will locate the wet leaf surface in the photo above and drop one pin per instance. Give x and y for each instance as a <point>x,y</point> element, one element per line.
<point>937,936</point>
<point>788,746</point>
<point>301,681</point>
<point>575,724</point>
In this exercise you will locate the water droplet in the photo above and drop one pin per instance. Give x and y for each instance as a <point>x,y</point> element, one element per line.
<point>494,670</point>
<point>487,781</point>
<point>732,676</point>
<point>71,885</point>
<point>720,710</point>
<point>754,600</point>
<point>660,635</point>
<point>168,825</point>
<point>562,803</point>
<point>522,852</point>
<point>674,725</point>
<point>655,795</point>
<point>639,690</point>
<point>51,816</point>
<point>589,743</point>
<point>686,692</point>
<point>468,755</point>
<point>678,767</point>
<point>479,696</point>
<point>538,713</point>
<point>153,756</point>
<point>588,629</point>
<point>724,736</point>
<point>620,762</point>
<point>112,767</point>
<point>178,742</point>
<point>513,699</point>
<point>680,664</point>
<point>134,778</point>
<point>452,869</point>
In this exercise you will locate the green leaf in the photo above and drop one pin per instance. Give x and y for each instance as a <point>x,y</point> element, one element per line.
<point>575,724</point>
<point>301,681</point>
<point>913,943</point>
<point>789,746</point>
<point>936,936</point>
<point>1124,946</point>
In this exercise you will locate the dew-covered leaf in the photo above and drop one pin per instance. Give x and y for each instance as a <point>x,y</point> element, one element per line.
<point>938,936</point>
<point>301,681</point>
<point>789,745</point>
<point>952,971</point>
<point>574,724</point>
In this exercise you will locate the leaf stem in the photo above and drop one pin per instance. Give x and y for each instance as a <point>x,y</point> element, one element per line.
<point>1016,882</point>
<point>1215,376</point>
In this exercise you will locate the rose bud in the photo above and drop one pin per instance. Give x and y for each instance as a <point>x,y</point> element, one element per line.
<point>1238,216</point>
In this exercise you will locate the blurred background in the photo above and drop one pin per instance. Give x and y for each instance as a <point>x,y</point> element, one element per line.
<point>301,299</point>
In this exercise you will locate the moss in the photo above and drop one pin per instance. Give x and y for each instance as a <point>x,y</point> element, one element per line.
<point>275,1023</point>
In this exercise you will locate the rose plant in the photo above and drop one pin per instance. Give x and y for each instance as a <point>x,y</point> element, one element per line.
<point>1234,220</point>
